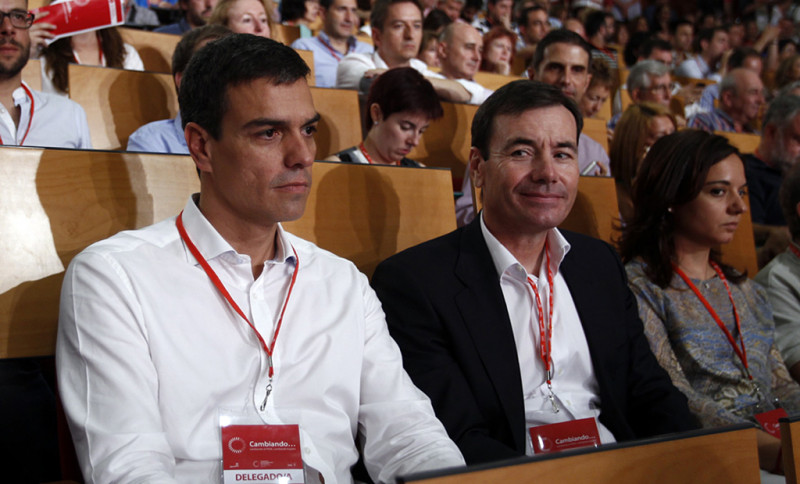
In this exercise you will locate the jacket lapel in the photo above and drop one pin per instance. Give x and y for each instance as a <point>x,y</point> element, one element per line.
<point>485,316</point>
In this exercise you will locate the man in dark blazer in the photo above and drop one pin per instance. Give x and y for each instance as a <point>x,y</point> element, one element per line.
<point>449,312</point>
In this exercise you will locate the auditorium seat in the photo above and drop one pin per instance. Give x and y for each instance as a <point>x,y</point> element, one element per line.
<point>154,48</point>
<point>118,101</point>
<point>712,456</point>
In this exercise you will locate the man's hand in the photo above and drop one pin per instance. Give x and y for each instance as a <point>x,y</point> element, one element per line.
<point>40,34</point>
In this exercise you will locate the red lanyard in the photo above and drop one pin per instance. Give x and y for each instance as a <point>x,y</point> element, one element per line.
<point>546,329</point>
<point>269,349</point>
<point>331,49</point>
<point>741,352</point>
<point>366,155</point>
<point>30,116</point>
<point>794,249</point>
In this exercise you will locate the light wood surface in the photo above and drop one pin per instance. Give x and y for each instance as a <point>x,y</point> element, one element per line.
<point>447,140</point>
<point>53,204</point>
<point>594,213</point>
<point>308,58</point>
<point>117,101</point>
<point>366,213</point>
<point>727,457</point>
<point>744,142</point>
<point>493,81</point>
<point>286,33</point>
<point>790,444</point>
<point>596,129</point>
<point>32,74</point>
<point>154,48</point>
<point>340,125</point>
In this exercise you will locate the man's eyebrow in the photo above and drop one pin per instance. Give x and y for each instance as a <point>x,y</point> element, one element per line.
<point>517,141</point>
<point>568,144</point>
<point>278,123</point>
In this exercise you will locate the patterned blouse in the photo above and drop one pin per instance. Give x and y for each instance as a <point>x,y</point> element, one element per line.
<point>698,356</point>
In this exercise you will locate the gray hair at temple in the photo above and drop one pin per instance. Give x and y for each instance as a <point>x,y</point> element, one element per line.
<point>789,197</point>
<point>639,77</point>
<point>789,88</point>
<point>781,111</point>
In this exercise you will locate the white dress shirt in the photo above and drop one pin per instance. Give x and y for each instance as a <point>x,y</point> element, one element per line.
<point>574,383</point>
<point>148,352</point>
<point>477,93</point>
<point>57,122</point>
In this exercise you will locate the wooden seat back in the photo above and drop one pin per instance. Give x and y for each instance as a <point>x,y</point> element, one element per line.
<point>790,445</point>
<point>596,129</point>
<point>54,203</point>
<point>32,74</point>
<point>117,102</point>
<point>366,213</point>
<point>703,457</point>
<point>154,48</point>
<point>493,81</point>
<point>447,140</point>
<point>57,202</point>
<point>595,212</point>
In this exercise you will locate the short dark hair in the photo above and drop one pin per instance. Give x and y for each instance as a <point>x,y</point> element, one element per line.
<point>236,59</point>
<point>707,35</point>
<point>560,36</point>
<point>403,89</point>
<point>186,47</point>
<point>789,196</point>
<point>594,22</point>
<point>672,174</point>
<point>292,9</point>
<point>522,20</point>
<point>516,98</point>
<point>654,43</point>
<point>436,20</point>
<point>739,55</point>
<point>380,10</point>
<point>673,25</point>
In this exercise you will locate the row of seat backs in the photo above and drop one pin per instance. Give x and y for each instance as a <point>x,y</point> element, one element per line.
<point>54,203</point>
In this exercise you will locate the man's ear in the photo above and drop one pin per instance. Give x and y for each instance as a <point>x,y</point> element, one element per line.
<point>476,167</point>
<point>376,37</point>
<point>199,140</point>
<point>441,50</point>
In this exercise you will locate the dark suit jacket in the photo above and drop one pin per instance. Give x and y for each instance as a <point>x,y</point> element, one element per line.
<point>445,309</point>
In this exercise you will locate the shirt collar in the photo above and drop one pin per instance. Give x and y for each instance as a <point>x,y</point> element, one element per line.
<point>20,97</point>
<point>505,262</point>
<point>212,245</point>
<point>351,41</point>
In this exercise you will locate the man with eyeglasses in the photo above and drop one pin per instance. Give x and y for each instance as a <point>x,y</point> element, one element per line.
<point>28,117</point>
<point>648,81</point>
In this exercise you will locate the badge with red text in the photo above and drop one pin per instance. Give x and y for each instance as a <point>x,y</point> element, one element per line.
<point>564,436</point>
<point>769,421</point>
<point>259,454</point>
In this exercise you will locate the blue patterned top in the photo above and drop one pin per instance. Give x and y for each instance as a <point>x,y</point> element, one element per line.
<point>696,353</point>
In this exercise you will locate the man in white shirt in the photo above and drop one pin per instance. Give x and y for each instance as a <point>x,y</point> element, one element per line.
<point>510,324</point>
<point>164,328</point>
<point>705,64</point>
<point>28,117</point>
<point>459,53</point>
<point>336,40</point>
<point>397,34</point>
